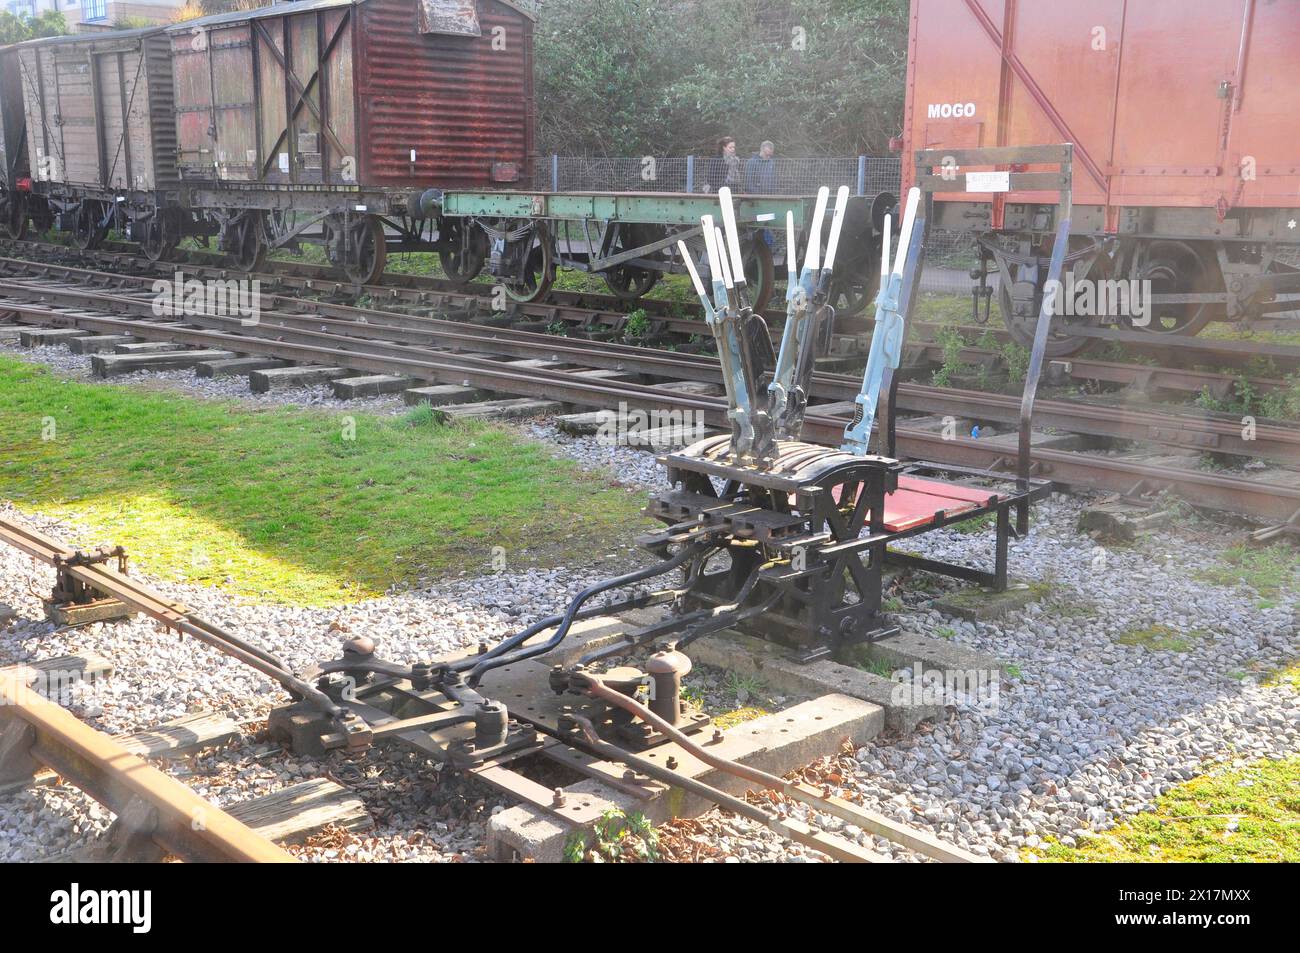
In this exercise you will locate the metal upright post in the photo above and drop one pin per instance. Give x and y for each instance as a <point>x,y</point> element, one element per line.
<point>555,172</point>
<point>862,175</point>
<point>1051,290</point>
<point>887,442</point>
<point>690,173</point>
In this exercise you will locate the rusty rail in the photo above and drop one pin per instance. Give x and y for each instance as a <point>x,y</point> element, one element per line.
<point>172,614</point>
<point>157,815</point>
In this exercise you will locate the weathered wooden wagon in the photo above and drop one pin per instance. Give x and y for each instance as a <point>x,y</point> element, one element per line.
<point>334,119</point>
<point>100,135</point>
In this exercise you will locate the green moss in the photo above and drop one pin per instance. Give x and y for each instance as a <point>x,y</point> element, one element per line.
<point>1286,675</point>
<point>977,525</point>
<point>1272,571</point>
<point>1230,815</point>
<point>739,715</point>
<point>1160,638</point>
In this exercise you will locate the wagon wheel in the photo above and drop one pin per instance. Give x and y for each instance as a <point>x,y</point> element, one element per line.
<point>463,261</point>
<point>365,252</point>
<point>1176,268</point>
<point>539,270</point>
<point>13,215</point>
<point>760,273</point>
<point>852,291</point>
<point>89,233</point>
<point>159,239</point>
<point>630,282</point>
<point>247,247</point>
<point>1023,327</point>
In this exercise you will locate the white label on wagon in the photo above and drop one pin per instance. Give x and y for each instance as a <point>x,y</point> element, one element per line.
<point>988,181</point>
<point>361,208</point>
<point>765,217</point>
<point>284,162</point>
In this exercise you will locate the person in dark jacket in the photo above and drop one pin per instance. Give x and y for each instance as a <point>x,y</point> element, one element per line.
<point>760,171</point>
<point>724,166</point>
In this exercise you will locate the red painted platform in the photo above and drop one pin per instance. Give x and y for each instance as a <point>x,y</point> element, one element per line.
<point>917,501</point>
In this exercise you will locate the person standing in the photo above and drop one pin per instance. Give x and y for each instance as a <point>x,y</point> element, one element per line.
<point>760,170</point>
<point>724,166</point>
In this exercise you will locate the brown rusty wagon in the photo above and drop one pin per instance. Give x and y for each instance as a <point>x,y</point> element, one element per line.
<point>333,120</point>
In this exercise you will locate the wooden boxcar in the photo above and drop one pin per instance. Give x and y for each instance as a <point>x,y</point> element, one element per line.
<point>1182,115</point>
<point>100,132</point>
<point>341,115</point>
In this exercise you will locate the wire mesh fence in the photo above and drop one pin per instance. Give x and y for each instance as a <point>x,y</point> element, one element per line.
<point>864,175</point>
<point>949,255</point>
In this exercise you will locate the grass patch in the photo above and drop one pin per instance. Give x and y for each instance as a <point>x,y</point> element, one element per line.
<point>1160,638</point>
<point>1249,814</point>
<point>942,308</point>
<point>1270,570</point>
<point>976,525</point>
<point>291,505</point>
<point>1281,403</point>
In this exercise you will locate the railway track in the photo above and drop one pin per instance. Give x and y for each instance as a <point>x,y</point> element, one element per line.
<point>578,371</point>
<point>158,816</point>
<point>1180,368</point>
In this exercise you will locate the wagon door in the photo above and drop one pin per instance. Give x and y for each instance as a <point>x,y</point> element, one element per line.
<point>126,149</point>
<point>76,100</point>
<point>215,103</point>
<point>305,94</point>
<point>11,123</point>
<point>1173,105</point>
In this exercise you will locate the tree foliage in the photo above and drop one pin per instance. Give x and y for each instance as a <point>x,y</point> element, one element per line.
<point>15,29</point>
<point>667,77</point>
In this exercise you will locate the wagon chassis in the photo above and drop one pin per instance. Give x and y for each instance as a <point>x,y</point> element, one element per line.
<point>1254,281</point>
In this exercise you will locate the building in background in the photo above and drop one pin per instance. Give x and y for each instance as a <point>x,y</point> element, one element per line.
<point>84,16</point>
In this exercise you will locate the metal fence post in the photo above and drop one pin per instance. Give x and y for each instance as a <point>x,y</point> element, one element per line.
<point>690,173</point>
<point>862,175</point>
<point>555,172</point>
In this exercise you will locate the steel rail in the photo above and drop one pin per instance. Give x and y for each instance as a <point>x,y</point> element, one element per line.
<point>834,846</point>
<point>591,305</point>
<point>1264,501</point>
<point>172,614</point>
<point>517,342</point>
<point>1201,431</point>
<point>158,807</point>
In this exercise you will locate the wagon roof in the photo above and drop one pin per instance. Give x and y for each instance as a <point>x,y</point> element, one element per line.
<point>296,6</point>
<point>107,36</point>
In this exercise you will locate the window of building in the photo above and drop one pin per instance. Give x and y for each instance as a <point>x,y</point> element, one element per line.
<point>96,9</point>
